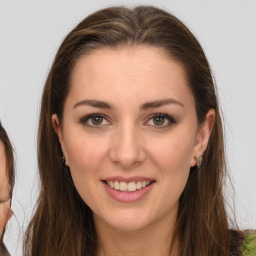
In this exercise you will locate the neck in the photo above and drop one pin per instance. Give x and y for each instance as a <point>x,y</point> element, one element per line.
<point>155,239</point>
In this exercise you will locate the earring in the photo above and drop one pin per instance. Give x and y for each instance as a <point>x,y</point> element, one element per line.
<point>64,160</point>
<point>198,160</point>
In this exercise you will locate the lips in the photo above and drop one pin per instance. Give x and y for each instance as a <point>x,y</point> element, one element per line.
<point>128,186</point>
<point>128,189</point>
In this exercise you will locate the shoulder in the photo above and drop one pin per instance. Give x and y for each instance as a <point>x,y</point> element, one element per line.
<point>249,243</point>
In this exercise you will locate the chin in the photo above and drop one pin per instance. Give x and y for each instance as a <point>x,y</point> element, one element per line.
<point>128,226</point>
<point>127,221</point>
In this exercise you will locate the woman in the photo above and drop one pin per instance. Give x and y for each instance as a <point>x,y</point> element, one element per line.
<point>6,184</point>
<point>130,144</point>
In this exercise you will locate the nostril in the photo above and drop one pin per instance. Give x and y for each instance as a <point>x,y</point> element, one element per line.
<point>127,154</point>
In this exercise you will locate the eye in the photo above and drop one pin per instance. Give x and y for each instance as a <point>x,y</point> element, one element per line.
<point>94,120</point>
<point>161,121</point>
<point>4,200</point>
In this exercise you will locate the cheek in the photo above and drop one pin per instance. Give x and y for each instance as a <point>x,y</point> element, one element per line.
<point>4,183</point>
<point>86,159</point>
<point>85,154</point>
<point>4,211</point>
<point>173,152</point>
<point>172,157</point>
<point>172,160</point>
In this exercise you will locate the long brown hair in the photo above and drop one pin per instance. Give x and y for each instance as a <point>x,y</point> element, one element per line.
<point>63,223</point>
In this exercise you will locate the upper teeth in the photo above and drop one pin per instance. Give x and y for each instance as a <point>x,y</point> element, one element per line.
<point>130,186</point>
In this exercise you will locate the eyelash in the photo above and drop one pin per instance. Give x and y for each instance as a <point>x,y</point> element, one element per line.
<point>85,119</point>
<point>167,117</point>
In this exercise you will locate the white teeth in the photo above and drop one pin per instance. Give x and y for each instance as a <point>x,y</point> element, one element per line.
<point>123,186</point>
<point>138,185</point>
<point>116,185</point>
<point>131,186</point>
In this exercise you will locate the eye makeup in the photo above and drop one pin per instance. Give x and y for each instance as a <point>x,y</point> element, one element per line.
<point>95,120</point>
<point>162,121</point>
<point>98,120</point>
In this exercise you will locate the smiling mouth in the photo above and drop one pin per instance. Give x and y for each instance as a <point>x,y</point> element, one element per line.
<point>128,186</point>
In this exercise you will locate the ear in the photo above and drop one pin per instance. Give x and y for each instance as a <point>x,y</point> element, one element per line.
<point>203,136</point>
<point>58,130</point>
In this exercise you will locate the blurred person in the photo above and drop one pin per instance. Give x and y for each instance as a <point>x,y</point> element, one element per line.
<point>6,184</point>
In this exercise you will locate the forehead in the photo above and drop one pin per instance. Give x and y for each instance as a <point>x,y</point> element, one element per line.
<point>136,71</point>
<point>134,61</point>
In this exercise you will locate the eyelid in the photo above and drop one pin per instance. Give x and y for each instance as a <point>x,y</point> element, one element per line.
<point>4,200</point>
<point>84,119</point>
<point>169,118</point>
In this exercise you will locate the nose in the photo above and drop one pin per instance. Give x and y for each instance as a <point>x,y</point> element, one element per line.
<point>127,147</point>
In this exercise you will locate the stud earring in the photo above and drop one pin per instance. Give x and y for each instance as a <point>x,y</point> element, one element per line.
<point>64,160</point>
<point>198,160</point>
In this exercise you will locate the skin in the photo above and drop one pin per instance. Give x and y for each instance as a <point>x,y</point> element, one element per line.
<point>129,142</point>
<point>5,208</point>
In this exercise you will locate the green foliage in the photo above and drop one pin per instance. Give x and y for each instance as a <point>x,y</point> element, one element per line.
<point>249,244</point>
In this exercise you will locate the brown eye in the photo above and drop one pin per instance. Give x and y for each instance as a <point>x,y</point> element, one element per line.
<point>159,120</point>
<point>97,120</point>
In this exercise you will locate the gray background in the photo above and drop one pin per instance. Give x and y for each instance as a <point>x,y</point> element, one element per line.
<point>30,33</point>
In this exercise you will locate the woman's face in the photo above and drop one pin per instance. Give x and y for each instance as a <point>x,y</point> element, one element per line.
<point>129,121</point>
<point>5,210</point>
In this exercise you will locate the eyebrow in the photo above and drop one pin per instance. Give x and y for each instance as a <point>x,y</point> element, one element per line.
<point>93,103</point>
<point>145,106</point>
<point>160,103</point>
